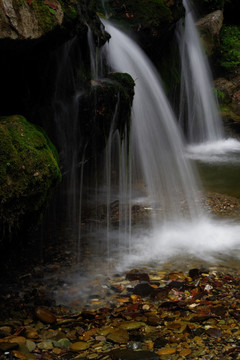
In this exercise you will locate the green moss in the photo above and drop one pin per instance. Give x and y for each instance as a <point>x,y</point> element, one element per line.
<point>28,172</point>
<point>229,51</point>
<point>221,96</point>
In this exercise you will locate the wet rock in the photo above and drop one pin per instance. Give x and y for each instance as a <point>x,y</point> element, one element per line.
<point>6,346</point>
<point>31,346</point>
<point>19,355</point>
<point>210,27</point>
<point>194,273</point>
<point>167,351</point>
<point>132,325</point>
<point>154,320</point>
<point>213,332</point>
<point>5,331</point>
<point>143,289</point>
<point>32,334</point>
<point>160,342</point>
<point>136,275</point>
<point>64,343</point>
<point>133,355</point>
<point>226,86</point>
<point>45,345</point>
<point>119,336</point>
<point>45,315</point>
<point>80,345</point>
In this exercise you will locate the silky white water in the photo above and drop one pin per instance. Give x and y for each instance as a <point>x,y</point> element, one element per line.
<point>199,113</point>
<point>169,177</point>
<point>199,110</point>
<point>156,140</point>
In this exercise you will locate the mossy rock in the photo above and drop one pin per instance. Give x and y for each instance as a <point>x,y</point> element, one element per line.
<point>31,19</point>
<point>28,173</point>
<point>105,107</point>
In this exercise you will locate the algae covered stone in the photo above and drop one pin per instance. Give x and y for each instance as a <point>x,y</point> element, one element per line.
<point>28,172</point>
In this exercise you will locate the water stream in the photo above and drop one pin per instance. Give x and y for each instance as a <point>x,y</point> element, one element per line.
<point>156,138</point>
<point>199,111</point>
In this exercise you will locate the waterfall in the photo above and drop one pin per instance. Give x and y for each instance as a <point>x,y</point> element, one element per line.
<point>199,113</point>
<point>199,110</point>
<point>155,137</point>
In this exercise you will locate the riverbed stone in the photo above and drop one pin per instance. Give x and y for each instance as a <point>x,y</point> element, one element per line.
<point>129,354</point>
<point>119,336</point>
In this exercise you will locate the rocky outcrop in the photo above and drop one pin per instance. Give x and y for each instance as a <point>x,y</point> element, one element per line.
<point>31,19</point>
<point>28,173</point>
<point>210,27</point>
<point>105,107</point>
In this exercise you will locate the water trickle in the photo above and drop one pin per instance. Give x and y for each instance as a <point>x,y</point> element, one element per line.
<point>155,137</point>
<point>199,113</point>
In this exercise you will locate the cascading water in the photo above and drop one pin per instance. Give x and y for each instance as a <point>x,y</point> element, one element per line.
<point>157,144</point>
<point>155,137</point>
<point>199,113</point>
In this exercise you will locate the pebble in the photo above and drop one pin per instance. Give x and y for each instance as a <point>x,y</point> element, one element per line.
<point>80,345</point>
<point>5,331</point>
<point>30,345</point>
<point>45,315</point>
<point>6,346</point>
<point>132,325</point>
<point>32,334</point>
<point>119,336</point>
<point>45,345</point>
<point>166,351</point>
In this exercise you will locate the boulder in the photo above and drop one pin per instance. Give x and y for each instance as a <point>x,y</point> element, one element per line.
<point>210,27</point>
<point>32,19</point>
<point>28,173</point>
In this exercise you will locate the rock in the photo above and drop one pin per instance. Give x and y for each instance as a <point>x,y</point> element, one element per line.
<point>64,343</point>
<point>167,351</point>
<point>32,334</point>
<point>6,346</point>
<point>131,325</point>
<point>213,332</point>
<point>45,315</point>
<point>80,345</point>
<point>210,26</point>
<point>30,345</point>
<point>45,345</point>
<point>17,339</point>
<point>18,355</point>
<point>31,19</point>
<point>160,342</point>
<point>226,86</point>
<point>23,150</point>
<point>136,275</point>
<point>143,289</point>
<point>133,355</point>
<point>119,336</point>
<point>5,331</point>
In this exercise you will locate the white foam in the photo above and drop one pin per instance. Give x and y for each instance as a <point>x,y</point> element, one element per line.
<point>225,150</point>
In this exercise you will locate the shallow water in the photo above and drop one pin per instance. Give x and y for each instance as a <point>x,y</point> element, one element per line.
<point>218,164</point>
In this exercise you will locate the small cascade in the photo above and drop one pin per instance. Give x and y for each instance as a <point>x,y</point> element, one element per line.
<point>155,136</point>
<point>199,112</point>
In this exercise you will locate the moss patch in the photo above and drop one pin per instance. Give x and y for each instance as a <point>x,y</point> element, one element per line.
<point>28,172</point>
<point>229,52</point>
